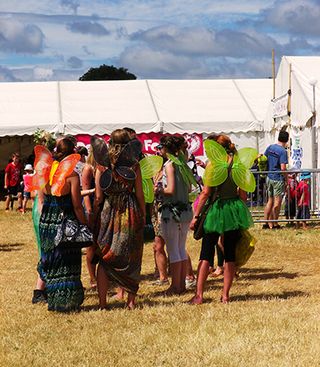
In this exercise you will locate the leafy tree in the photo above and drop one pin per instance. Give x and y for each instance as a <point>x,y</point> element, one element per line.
<point>105,72</point>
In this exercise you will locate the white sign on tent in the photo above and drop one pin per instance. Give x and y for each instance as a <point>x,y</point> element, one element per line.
<point>280,106</point>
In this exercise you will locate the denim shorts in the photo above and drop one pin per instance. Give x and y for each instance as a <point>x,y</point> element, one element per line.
<point>275,188</point>
<point>27,194</point>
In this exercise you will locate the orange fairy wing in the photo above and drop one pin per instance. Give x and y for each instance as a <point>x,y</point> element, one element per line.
<point>42,165</point>
<point>65,168</point>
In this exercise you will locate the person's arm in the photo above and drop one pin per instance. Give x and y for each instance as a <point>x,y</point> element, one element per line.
<point>76,197</point>
<point>139,192</point>
<point>169,189</point>
<point>98,196</point>
<point>242,195</point>
<point>87,176</point>
<point>6,180</point>
<point>203,197</point>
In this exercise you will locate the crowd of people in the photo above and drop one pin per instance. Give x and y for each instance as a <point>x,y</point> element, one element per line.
<point>102,189</point>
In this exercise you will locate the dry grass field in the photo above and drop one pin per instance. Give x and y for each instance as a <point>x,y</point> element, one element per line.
<point>273,319</point>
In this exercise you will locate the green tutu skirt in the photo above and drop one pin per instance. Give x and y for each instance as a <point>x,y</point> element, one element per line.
<point>227,215</point>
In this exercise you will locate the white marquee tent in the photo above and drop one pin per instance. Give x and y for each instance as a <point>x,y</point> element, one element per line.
<point>235,107</point>
<point>304,72</point>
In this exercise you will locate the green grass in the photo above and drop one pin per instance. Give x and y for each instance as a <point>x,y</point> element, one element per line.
<point>273,319</point>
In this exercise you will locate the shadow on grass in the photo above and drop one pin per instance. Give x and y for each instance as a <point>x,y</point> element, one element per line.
<point>270,296</point>
<point>264,274</point>
<point>11,247</point>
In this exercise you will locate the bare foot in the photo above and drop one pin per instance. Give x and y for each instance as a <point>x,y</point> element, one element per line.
<point>225,300</point>
<point>217,272</point>
<point>196,300</point>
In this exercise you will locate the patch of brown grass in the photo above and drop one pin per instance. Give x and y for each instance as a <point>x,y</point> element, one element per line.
<point>273,319</point>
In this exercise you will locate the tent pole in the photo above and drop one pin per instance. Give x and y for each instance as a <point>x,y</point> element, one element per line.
<point>273,76</point>
<point>314,150</point>
<point>61,126</point>
<point>155,108</point>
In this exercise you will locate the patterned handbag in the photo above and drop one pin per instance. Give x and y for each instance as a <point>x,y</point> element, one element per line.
<point>71,233</point>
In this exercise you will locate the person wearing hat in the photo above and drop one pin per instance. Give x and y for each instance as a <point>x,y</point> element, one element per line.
<point>27,182</point>
<point>303,198</point>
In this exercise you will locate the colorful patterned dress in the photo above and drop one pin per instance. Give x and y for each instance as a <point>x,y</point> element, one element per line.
<point>59,267</point>
<point>120,237</point>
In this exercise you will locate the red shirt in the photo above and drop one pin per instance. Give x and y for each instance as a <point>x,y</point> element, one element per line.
<point>13,174</point>
<point>303,188</point>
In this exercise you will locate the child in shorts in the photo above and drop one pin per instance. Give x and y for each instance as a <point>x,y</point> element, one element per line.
<point>12,181</point>
<point>27,182</point>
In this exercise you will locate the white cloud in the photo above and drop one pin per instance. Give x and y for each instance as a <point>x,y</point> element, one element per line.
<point>42,73</point>
<point>148,63</point>
<point>21,38</point>
<point>296,16</point>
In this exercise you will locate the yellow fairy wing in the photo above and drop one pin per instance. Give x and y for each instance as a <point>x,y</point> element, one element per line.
<point>65,168</point>
<point>147,187</point>
<point>216,171</point>
<point>247,156</point>
<point>215,152</point>
<point>42,165</point>
<point>242,176</point>
<point>150,165</point>
<point>215,174</point>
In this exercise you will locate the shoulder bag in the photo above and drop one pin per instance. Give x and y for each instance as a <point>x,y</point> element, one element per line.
<point>71,233</point>
<point>198,226</point>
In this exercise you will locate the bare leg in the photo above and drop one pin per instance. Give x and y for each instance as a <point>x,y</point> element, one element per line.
<point>203,271</point>
<point>40,285</point>
<point>120,294</point>
<point>19,200</point>
<point>91,267</point>
<point>229,272</point>
<point>183,272</point>
<point>276,208</point>
<point>8,199</point>
<point>131,301</point>
<point>160,257</point>
<point>175,278</point>
<point>103,283</point>
<point>268,211</point>
<point>24,205</point>
<point>189,270</point>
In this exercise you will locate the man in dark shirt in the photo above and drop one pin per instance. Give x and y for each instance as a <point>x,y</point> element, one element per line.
<point>276,181</point>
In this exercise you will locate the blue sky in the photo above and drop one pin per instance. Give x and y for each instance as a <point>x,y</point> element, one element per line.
<point>170,39</point>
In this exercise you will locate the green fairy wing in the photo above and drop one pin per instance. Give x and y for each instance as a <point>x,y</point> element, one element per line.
<point>147,187</point>
<point>216,171</point>
<point>149,167</point>
<point>184,169</point>
<point>242,162</point>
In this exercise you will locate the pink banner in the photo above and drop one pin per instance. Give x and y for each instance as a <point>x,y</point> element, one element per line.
<point>151,140</point>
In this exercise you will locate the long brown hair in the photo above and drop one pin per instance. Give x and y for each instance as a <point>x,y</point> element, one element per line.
<point>226,142</point>
<point>64,148</point>
<point>118,139</point>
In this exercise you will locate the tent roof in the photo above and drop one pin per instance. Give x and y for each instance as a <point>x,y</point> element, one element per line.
<point>98,107</point>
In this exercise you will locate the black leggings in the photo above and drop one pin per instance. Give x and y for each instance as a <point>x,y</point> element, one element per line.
<point>211,239</point>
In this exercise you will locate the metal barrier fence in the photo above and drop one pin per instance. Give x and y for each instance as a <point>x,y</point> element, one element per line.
<point>301,196</point>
